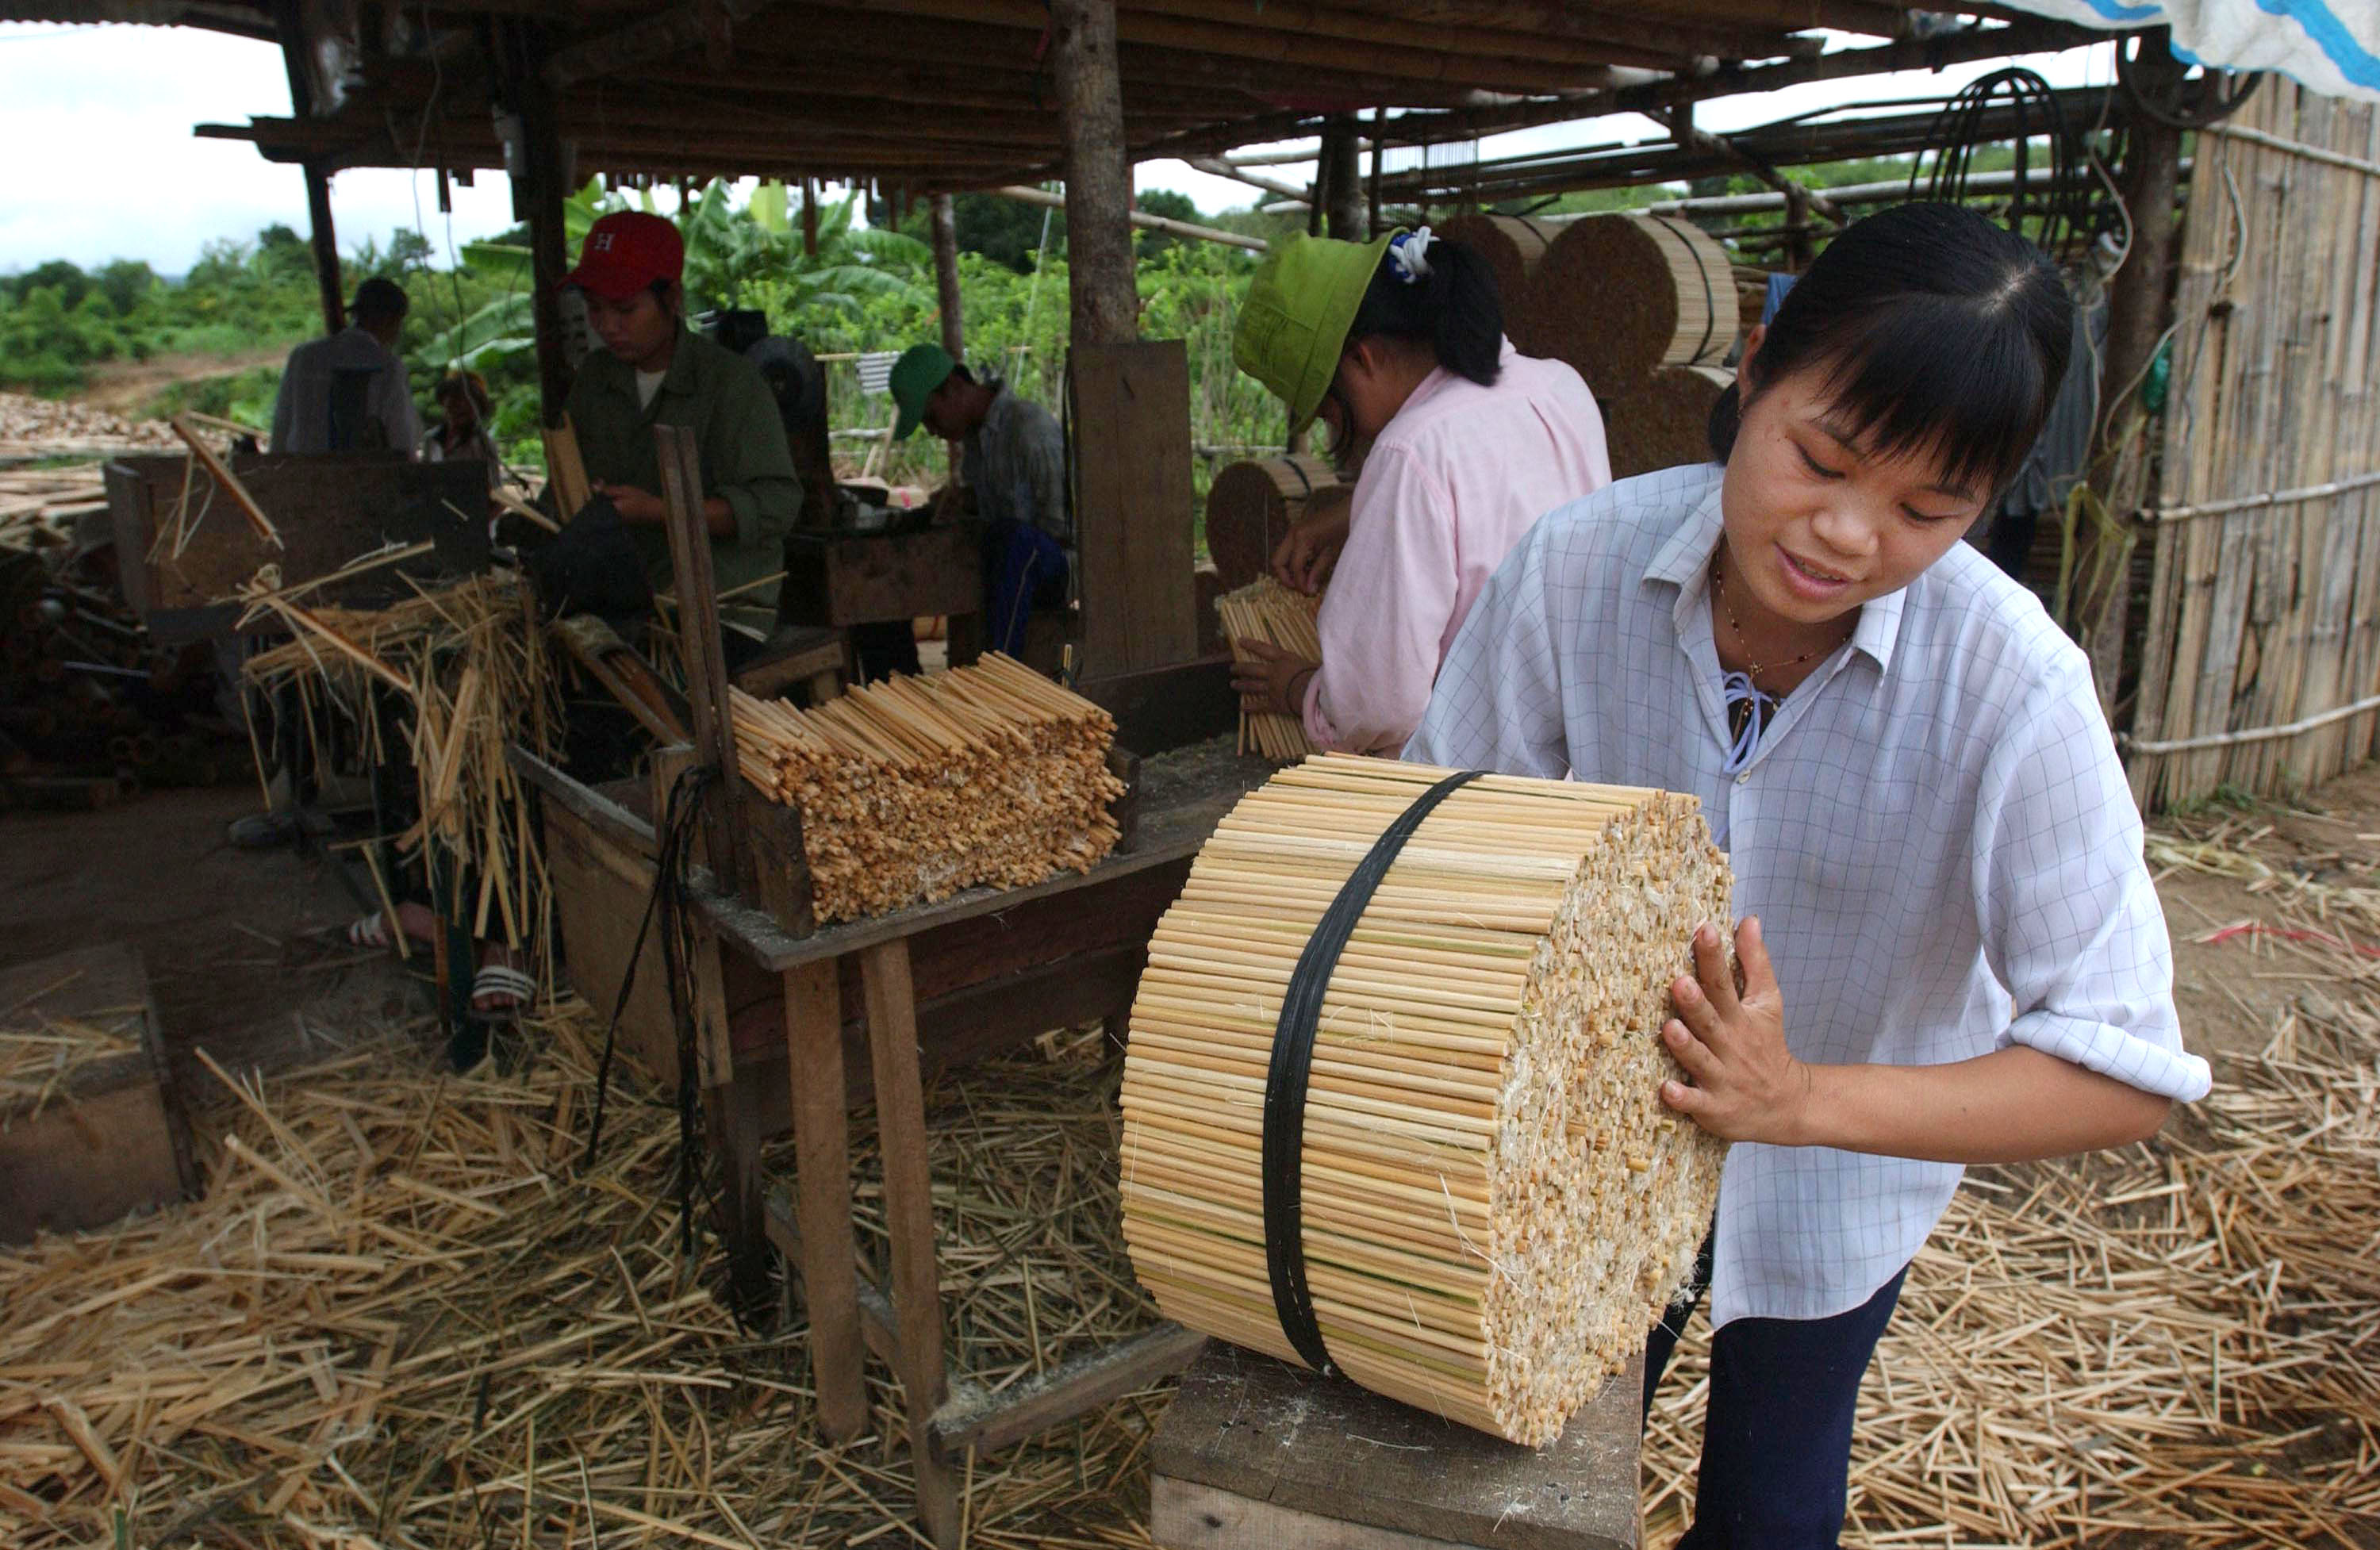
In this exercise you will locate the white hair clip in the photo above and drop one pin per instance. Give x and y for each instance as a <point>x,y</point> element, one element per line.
<point>1410,252</point>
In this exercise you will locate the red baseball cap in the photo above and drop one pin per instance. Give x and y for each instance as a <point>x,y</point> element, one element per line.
<point>626,252</point>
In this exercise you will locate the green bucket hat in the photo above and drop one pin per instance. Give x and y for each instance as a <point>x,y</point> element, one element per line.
<point>1296,319</point>
<point>920,370</point>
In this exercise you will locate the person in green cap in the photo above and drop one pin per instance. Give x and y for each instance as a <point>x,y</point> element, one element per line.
<point>1397,347</point>
<point>1015,479</point>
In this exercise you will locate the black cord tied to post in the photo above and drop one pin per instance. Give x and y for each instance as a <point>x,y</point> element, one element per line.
<point>1293,1066</point>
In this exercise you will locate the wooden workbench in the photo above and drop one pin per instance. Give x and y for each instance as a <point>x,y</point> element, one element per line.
<point>797,1019</point>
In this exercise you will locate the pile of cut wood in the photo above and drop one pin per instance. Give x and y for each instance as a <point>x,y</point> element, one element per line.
<point>915,788</point>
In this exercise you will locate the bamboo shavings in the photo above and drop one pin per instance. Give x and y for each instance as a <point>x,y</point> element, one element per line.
<point>1496,1205</point>
<point>471,676</point>
<point>1264,610</point>
<point>39,1060</point>
<point>400,1316</point>
<point>912,789</point>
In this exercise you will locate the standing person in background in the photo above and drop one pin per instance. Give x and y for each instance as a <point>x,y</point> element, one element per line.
<point>347,391</point>
<point>1014,473</point>
<point>654,370</point>
<point>461,432</point>
<point>1398,344</point>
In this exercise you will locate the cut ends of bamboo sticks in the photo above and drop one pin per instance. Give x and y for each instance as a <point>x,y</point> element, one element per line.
<point>1496,1204</point>
<point>1264,610</point>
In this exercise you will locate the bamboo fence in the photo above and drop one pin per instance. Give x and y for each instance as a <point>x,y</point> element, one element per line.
<point>1496,1204</point>
<point>1264,610</point>
<point>2263,602</point>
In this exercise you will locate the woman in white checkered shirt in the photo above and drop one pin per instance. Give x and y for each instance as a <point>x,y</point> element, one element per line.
<point>1951,951</point>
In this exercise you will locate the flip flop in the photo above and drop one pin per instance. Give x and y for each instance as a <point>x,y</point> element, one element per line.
<point>502,980</point>
<point>370,931</point>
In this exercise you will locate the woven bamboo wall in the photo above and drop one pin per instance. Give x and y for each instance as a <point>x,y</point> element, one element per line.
<point>2265,596</point>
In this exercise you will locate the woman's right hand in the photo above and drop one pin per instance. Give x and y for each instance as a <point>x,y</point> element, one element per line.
<point>1307,553</point>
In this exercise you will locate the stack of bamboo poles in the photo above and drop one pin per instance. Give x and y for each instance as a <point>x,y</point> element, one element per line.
<point>1251,507</point>
<point>1496,1205</point>
<point>400,1314</point>
<point>1264,610</point>
<point>915,788</point>
<point>1665,421</point>
<point>470,676</point>
<point>1619,296</point>
<point>1513,245</point>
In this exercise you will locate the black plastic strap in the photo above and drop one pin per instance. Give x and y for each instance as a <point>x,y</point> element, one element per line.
<point>1292,1064</point>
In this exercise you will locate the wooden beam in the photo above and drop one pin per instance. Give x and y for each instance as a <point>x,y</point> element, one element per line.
<point>1338,176</point>
<point>1098,175</point>
<point>988,1423</point>
<point>662,36</point>
<point>1145,222</point>
<point>698,645</point>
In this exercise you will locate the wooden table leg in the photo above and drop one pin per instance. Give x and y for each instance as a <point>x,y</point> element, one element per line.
<point>910,1216</point>
<point>822,1156</point>
<point>731,1109</point>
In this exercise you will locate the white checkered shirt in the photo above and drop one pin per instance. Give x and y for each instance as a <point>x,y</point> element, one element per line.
<point>1935,833</point>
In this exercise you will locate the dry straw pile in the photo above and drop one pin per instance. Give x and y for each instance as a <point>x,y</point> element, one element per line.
<point>1496,1204</point>
<point>915,788</point>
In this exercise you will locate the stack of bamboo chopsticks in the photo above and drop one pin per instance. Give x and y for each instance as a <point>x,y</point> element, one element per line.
<point>1496,1205</point>
<point>915,788</point>
<point>1264,610</point>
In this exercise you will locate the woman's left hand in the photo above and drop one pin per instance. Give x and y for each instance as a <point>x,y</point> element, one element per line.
<point>1744,1083</point>
<point>1267,677</point>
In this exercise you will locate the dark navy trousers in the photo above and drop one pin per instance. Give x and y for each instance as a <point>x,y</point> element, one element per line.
<point>1776,1441</point>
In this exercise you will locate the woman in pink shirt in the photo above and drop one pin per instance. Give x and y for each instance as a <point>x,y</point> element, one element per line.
<point>1399,344</point>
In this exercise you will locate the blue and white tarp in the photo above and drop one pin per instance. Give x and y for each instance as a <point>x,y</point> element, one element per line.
<point>2331,45</point>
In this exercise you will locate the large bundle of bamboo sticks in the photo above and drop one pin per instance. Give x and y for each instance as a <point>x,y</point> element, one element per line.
<point>467,675</point>
<point>1665,421</point>
<point>1619,296</point>
<point>1512,245</point>
<point>1251,506</point>
<point>915,788</point>
<point>1496,1204</point>
<point>1264,610</point>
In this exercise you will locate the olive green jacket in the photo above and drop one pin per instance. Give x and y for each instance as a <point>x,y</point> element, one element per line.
<point>746,461</point>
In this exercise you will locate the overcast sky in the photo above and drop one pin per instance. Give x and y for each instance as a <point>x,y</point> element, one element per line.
<point>107,167</point>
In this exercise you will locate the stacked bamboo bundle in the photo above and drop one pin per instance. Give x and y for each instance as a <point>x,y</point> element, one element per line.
<point>1251,507</point>
<point>1264,610</point>
<point>1619,296</point>
<point>915,788</point>
<point>1496,1204</point>
<point>1666,422</point>
<point>1513,245</point>
<point>470,676</point>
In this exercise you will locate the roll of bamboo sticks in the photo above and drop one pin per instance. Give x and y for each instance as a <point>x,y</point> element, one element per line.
<point>1665,420</point>
<point>1266,611</point>
<point>1619,295</point>
<point>1251,507</point>
<point>912,789</point>
<point>1497,1206</point>
<point>1512,245</point>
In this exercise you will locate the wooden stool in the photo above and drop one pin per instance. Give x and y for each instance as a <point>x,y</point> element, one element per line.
<point>1255,1454</point>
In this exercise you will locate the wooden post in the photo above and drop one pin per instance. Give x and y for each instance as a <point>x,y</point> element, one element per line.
<point>1098,173</point>
<point>822,1178</point>
<point>538,194</point>
<point>1379,150</point>
<point>1343,179</point>
<point>289,22</point>
<point>2138,300</point>
<point>698,630</point>
<point>946,291</point>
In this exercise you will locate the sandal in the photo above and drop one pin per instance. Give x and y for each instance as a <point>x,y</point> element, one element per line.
<point>372,930</point>
<point>515,990</point>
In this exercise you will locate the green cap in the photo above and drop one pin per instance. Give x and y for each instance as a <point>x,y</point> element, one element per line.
<point>920,370</point>
<point>1295,321</point>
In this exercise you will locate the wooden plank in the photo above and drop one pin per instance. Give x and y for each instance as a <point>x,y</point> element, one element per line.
<point>698,645</point>
<point>1184,1515</point>
<point>599,888</point>
<point>813,1004</point>
<point>988,1422</point>
<point>876,1325</point>
<point>1163,708</point>
<point>1133,507</point>
<point>1271,1432</point>
<point>112,1139</point>
<point>909,1222</point>
<point>847,579</point>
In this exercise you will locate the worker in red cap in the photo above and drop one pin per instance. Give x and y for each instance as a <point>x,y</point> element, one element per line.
<point>654,370</point>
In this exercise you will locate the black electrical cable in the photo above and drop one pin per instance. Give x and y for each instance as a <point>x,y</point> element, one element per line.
<point>1293,1065</point>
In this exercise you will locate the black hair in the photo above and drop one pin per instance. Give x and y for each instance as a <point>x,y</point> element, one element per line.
<point>1937,330</point>
<point>958,369</point>
<point>1453,308</point>
<point>380,300</point>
